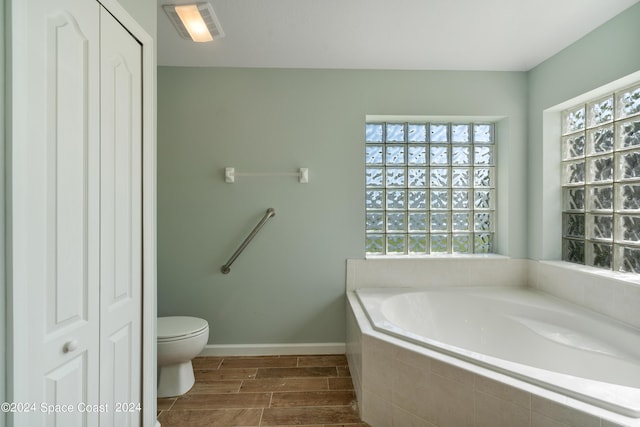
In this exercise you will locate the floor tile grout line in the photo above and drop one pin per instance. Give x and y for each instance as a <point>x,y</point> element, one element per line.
<point>261,415</point>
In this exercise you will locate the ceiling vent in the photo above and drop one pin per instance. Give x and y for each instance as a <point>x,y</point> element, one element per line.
<point>197,22</point>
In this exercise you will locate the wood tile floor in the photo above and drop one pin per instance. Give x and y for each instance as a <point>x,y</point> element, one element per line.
<point>309,391</point>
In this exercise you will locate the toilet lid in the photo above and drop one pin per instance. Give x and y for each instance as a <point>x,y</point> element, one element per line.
<point>178,326</point>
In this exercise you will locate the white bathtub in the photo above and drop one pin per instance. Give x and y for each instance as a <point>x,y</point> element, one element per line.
<point>522,333</point>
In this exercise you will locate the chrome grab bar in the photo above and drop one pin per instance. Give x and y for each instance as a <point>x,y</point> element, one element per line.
<point>225,269</point>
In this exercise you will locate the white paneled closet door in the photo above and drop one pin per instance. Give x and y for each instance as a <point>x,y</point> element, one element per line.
<point>77,219</point>
<point>120,224</point>
<point>62,204</point>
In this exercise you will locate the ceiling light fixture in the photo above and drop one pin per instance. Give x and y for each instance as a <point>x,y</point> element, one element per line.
<point>197,22</point>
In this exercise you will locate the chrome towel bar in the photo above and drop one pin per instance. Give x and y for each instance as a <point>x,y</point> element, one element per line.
<point>225,269</point>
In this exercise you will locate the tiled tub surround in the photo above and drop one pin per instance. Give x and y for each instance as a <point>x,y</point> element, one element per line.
<point>400,383</point>
<point>616,295</point>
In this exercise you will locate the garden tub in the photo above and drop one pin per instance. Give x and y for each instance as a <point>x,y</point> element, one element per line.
<point>520,332</point>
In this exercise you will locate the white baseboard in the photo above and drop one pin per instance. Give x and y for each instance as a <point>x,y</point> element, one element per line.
<point>273,349</point>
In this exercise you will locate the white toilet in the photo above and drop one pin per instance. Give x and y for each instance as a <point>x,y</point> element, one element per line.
<point>180,339</point>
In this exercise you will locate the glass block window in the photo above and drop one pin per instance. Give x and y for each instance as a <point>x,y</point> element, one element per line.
<point>601,182</point>
<point>430,188</point>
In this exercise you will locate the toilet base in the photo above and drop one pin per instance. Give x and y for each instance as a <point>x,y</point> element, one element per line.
<point>175,380</point>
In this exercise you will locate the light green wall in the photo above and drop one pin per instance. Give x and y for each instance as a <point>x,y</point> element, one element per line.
<point>144,12</point>
<point>609,53</point>
<point>289,284</point>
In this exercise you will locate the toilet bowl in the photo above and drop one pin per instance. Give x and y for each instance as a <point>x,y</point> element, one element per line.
<point>180,339</point>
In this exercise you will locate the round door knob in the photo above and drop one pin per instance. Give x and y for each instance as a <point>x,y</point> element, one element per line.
<point>70,346</point>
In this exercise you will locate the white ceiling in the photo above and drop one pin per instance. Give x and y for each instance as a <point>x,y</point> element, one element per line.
<point>508,35</point>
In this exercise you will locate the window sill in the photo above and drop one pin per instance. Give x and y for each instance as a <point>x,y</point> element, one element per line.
<point>633,278</point>
<point>437,256</point>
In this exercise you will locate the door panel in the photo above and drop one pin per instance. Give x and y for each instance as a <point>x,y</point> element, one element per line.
<point>67,173</point>
<point>121,220</point>
<point>63,209</point>
<point>76,218</point>
<point>65,385</point>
